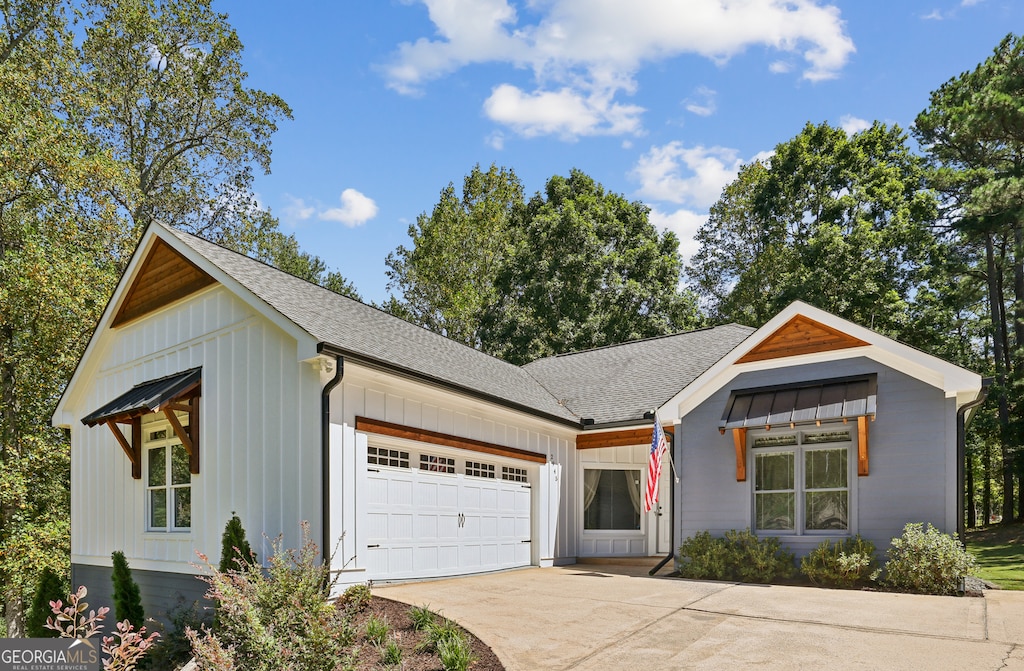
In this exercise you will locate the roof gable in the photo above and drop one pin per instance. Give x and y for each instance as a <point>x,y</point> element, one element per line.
<point>164,277</point>
<point>800,335</point>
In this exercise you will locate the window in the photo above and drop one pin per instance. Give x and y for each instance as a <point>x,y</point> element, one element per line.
<point>168,481</point>
<point>480,470</point>
<point>801,482</point>
<point>611,499</point>
<point>513,474</point>
<point>382,456</point>
<point>429,462</point>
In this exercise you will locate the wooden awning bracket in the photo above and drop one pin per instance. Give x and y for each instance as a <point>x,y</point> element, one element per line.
<point>739,439</point>
<point>188,436</point>
<point>133,450</point>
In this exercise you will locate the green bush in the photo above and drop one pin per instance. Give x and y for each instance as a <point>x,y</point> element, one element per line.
<point>234,547</point>
<point>355,598</point>
<point>841,564</point>
<point>391,653</point>
<point>173,650</point>
<point>276,618</point>
<point>437,634</point>
<point>456,653</point>
<point>422,618</point>
<point>49,588</point>
<point>925,561</point>
<point>127,600</point>
<point>377,629</point>
<point>741,556</point>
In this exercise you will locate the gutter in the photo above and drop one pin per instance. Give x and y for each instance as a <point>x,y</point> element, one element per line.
<point>961,452</point>
<point>325,448</point>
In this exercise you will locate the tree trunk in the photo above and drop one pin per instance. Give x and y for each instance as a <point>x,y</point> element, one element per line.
<point>986,492</point>
<point>996,308</point>
<point>972,514</point>
<point>14,616</point>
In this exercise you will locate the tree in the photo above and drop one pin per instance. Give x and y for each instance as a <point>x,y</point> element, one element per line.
<point>584,268</point>
<point>836,220</point>
<point>446,279</point>
<point>235,552</point>
<point>49,588</point>
<point>127,599</point>
<point>973,130</point>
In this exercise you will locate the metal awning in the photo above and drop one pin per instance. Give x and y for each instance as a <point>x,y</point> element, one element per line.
<point>146,397</point>
<point>802,403</point>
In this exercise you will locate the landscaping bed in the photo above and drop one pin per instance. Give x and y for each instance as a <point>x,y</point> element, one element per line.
<point>401,626</point>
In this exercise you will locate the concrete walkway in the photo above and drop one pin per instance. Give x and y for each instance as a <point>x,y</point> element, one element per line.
<point>608,617</point>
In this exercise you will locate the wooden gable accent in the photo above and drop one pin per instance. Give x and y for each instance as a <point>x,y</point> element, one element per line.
<point>801,335</point>
<point>437,438</point>
<point>165,276</point>
<point>589,441</point>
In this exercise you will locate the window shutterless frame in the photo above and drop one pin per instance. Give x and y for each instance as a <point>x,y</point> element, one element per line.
<point>167,480</point>
<point>803,481</point>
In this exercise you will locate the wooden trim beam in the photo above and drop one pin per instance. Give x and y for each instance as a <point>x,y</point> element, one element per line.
<point>193,427</point>
<point>436,438</point>
<point>137,448</point>
<point>862,445</point>
<point>123,442</point>
<point>590,441</point>
<point>739,440</point>
<point>179,430</point>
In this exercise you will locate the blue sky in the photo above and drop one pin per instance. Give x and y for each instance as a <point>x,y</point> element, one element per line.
<point>659,100</point>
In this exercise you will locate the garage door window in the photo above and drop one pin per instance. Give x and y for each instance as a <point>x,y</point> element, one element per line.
<point>611,499</point>
<point>382,456</point>
<point>431,462</point>
<point>479,470</point>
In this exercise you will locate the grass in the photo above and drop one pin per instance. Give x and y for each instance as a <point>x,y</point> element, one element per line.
<point>999,550</point>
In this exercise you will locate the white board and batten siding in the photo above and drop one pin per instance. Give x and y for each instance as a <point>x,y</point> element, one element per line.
<point>259,438</point>
<point>404,522</point>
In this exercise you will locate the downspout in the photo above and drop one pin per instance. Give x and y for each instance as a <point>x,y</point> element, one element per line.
<point>326,542</point>
<point>961,452</point>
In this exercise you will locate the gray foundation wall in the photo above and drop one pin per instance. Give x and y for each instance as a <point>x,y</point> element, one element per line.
<point>162,592</point>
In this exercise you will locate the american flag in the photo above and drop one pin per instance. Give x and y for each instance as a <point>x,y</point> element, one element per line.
<point>658,446</point>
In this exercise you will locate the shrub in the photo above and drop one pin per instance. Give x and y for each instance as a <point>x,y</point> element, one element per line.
<point>841,564</point>
<point>274,619</point>
<point>438,633</point>
<point>355,598</point>
<point>741,556</point>
<point>926,561</point>
<point>71,621</point>
<point>127,600</point>
<point>422,618</point>
<point>377,629</point>
<point>49,588</point>
<point>391,653</point>
<point>234,548</point>
<point>456,653</point>
<point>174,649</point>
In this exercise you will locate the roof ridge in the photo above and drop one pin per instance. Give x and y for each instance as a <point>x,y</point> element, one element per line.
<point>639,340</point>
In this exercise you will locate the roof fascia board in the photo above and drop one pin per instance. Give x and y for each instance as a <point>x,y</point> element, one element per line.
<point>950,378</point>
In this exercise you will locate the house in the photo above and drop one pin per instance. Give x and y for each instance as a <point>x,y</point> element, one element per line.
<point>215,384</point>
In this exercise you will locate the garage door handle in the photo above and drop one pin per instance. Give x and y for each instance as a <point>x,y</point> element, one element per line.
<point>374,546</point>
<point>526,541</point>
<point>373,470</point>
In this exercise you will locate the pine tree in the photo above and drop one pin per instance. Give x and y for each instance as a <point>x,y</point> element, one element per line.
<point>50,588</point>
<point>127,600</point>
<point>234,546</point>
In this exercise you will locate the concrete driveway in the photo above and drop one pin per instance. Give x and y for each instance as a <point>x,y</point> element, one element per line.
<point>608,617</point>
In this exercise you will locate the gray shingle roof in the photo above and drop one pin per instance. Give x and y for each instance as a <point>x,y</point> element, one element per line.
<point>365,331</point>
<point>621,382</point>
<point>608,384</point>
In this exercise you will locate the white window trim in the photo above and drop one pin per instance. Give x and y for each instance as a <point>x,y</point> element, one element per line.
<point>799,489</point>
<point>147,446</point>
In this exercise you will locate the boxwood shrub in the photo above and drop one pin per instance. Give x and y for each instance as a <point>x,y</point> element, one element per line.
<point>740,556</point>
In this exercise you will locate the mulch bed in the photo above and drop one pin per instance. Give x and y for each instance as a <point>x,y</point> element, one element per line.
<point>397,615</point>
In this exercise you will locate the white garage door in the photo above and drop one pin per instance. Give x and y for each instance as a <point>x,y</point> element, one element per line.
<point>435,514</point>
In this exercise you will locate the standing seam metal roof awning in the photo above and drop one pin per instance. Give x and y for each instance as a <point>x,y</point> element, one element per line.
<point>146,397</point>
<point>805,402</point>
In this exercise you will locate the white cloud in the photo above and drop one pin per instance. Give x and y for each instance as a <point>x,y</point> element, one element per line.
<point>780,67</point>
<point>676,174</point>
<point>564,112</point>
<point>852,124</point>
<point>496,140</point>
<point>934,15</point>
<point>970,3</point>
<point>702,103</point>
<point>356,209</point>
<point>684,223</point>
<point>583,53</point>
<point>296,210</point>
